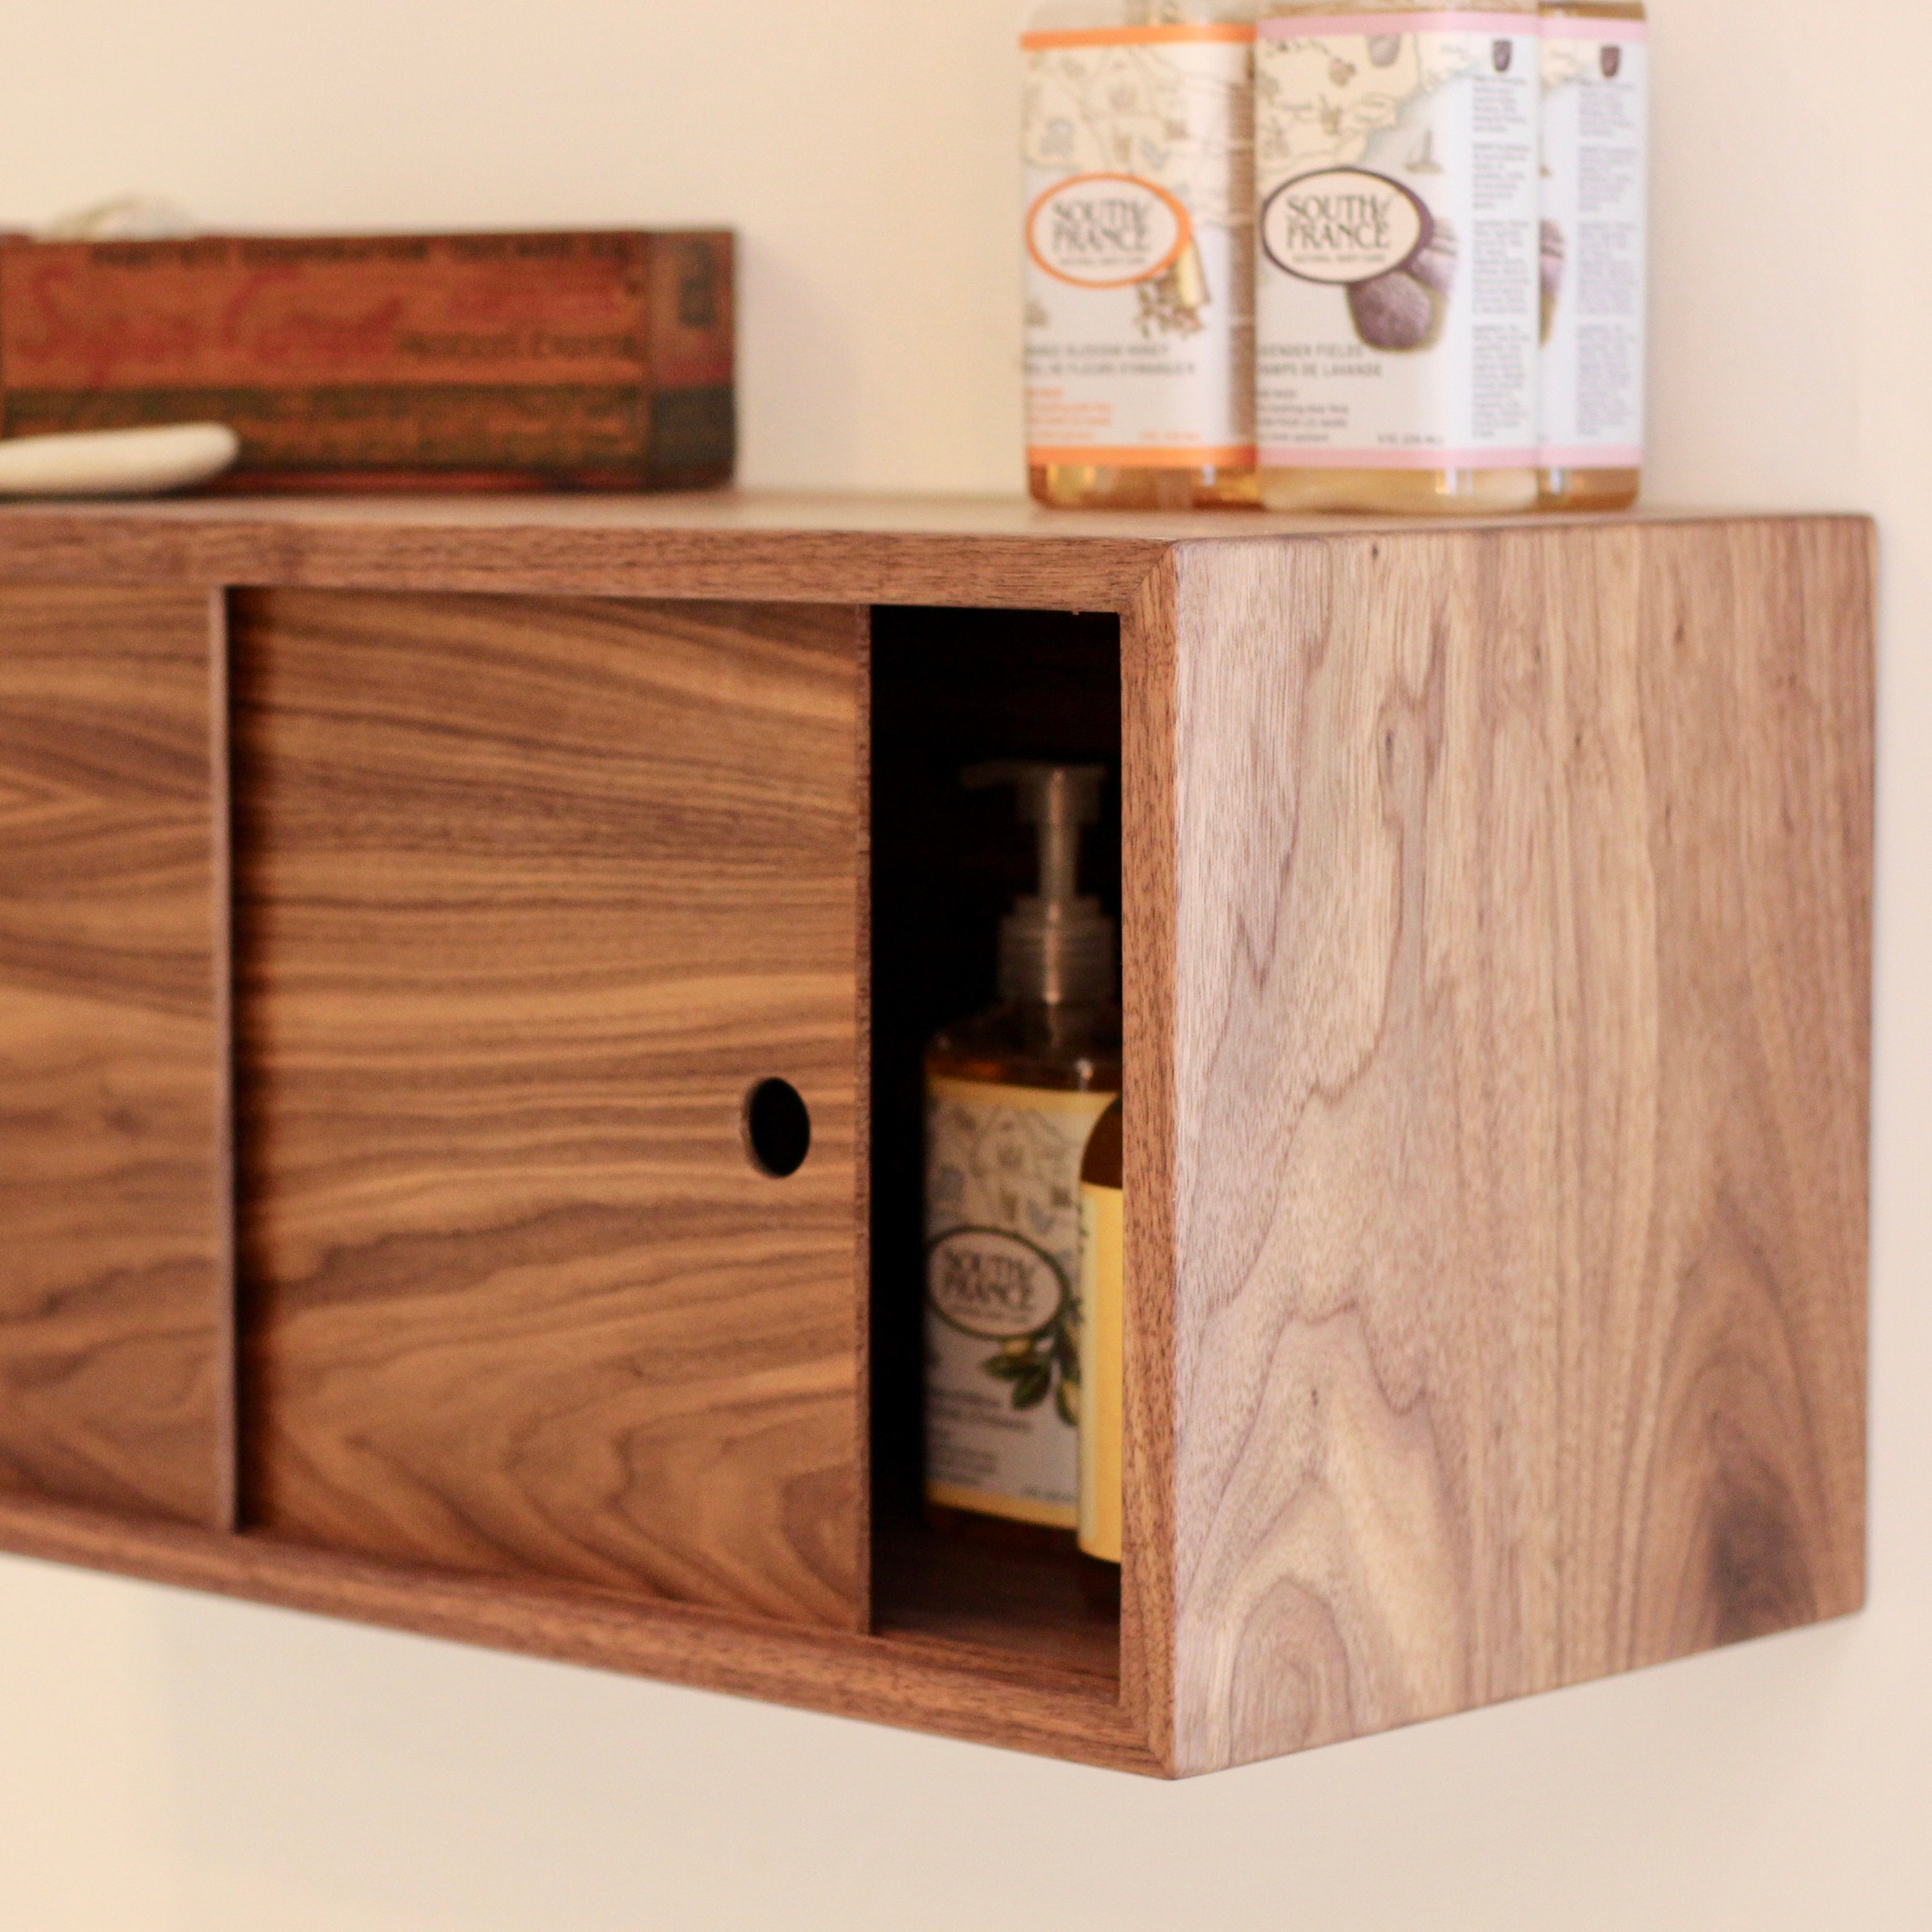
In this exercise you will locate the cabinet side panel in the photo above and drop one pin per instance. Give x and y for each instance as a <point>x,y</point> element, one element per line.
<point>1520,1050</point>
<point>530,894</point>
<point>1756,666</point>
<point>115,1361</point>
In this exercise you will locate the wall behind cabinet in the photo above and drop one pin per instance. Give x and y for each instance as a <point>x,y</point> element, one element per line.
<point>173,1764</point>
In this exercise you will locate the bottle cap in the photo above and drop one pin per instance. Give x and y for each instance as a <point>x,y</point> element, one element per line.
<point>1054,945</point>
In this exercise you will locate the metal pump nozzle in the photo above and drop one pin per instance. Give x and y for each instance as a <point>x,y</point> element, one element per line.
<point>1054,945</point>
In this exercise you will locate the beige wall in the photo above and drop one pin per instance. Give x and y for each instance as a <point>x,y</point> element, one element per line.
<point>176,1766</point>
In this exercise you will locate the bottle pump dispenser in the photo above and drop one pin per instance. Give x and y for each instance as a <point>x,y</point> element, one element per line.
<point>1055,946</point>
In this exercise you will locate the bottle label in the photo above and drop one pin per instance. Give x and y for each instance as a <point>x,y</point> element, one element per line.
<point>1003,1261</point>
<point>1397,305</point>
<point>1139,238</point>
<point>1596,76</point>
<point>1102,1323</point>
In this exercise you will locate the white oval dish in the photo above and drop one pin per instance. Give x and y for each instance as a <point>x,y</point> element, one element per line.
<point>116,462</point>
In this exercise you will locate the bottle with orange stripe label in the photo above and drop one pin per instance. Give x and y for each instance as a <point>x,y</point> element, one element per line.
<point>1140,253</point>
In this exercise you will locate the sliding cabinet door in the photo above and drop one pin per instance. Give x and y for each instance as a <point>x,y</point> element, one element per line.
<point>115,1289</point>
<point>532,894</point>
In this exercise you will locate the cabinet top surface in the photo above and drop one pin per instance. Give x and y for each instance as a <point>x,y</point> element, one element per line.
<point>764,512</point>
<point>1000,551</point>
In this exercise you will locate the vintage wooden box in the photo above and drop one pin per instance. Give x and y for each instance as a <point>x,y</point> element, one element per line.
<point>398,901</point>
<point>551,360</point>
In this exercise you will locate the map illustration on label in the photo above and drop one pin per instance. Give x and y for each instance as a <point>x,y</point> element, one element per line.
<point>1139,246</point>
<point>1397,296</point>
<point>1002,1276</point>
<point>1595,74</point>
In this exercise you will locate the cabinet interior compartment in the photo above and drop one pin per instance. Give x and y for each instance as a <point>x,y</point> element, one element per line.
<point>951,688</point>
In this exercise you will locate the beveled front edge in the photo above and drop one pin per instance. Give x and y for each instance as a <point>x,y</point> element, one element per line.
<point>993,552</point>
<point>1149,853</point>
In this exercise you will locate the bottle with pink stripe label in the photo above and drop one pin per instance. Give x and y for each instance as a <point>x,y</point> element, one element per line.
<point>1595,127</point>
<point>1398,300</point>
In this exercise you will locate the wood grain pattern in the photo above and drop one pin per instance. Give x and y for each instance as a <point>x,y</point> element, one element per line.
<point>1522,958</point>
<point>916,1683</point>
<point>115,1358</point>
<point>530,894</point>
<point>1757,686</point>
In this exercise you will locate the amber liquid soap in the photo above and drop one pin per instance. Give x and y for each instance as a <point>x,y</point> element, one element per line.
<point>1011,1094</point>
<point>1102,1358</point>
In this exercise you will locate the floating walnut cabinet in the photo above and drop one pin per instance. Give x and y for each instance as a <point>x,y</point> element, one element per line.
<point>400,900</point>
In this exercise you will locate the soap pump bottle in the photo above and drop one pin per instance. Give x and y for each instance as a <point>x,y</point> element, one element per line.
<point>1139,255</point>
<point>1396,297</point>
<point>1011,1096</point>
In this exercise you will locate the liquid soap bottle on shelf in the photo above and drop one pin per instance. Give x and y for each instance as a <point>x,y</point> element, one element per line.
<point>1138,119</point>
<point>1397,299</point>
<point>1011,1096</point>
<point>1596,78</point>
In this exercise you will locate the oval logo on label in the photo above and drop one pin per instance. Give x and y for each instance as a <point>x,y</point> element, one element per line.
<point>991,1283</point>
<point>1107,231</point>
<point>1342,225</point>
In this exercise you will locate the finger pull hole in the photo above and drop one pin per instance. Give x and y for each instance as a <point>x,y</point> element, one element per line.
<point>777,1128</point>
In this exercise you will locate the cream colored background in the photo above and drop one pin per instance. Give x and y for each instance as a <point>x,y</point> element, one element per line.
<point>170,1765</point>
